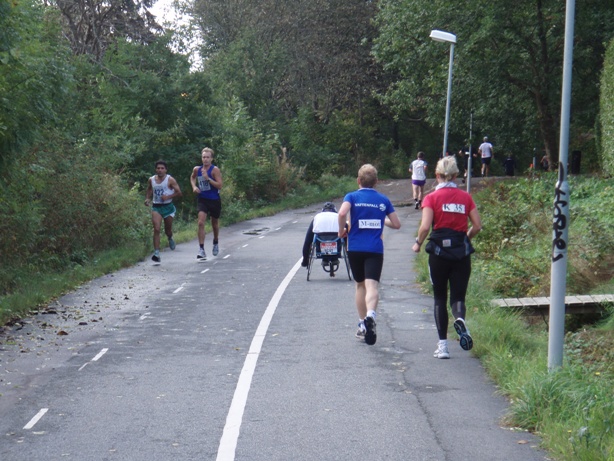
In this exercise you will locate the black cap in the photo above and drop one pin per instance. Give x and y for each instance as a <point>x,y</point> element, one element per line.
<point>329,206</point>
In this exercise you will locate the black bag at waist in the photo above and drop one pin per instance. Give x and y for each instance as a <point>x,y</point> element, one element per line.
<point>449,244</point>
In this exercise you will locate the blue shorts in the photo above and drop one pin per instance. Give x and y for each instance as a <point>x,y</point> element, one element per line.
<point>418,182</point>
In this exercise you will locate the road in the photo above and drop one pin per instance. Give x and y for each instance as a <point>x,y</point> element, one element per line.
<point>241,358</point>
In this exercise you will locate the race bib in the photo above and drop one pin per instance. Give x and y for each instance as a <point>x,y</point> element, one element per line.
<point>369,224</point>
<point>203,184</point>
<point>453,208</point>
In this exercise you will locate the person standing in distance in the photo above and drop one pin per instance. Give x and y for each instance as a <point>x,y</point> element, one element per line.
<point>206,181</point>
<point>447,210</point>
<point>368,212</point>
<point>487,153</point>
<point>162,188</point>
<point>418,178</point>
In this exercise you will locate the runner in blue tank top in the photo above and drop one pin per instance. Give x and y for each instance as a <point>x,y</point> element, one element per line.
<point>368,211</point>
<point>206,181</point>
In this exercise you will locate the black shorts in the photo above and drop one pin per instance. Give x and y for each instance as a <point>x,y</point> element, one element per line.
<point>366,265</point>
<point>209,206</point>
<point>486,160</point>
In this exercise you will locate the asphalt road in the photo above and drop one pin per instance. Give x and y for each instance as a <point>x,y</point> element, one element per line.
<point>241,358</point>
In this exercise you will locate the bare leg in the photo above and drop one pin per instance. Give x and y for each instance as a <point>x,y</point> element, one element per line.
<point>215,226</point>
<point>168,227</point>
<point>156,219</point>
<point>202,219</point>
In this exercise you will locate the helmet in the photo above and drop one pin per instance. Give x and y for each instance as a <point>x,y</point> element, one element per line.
<point>329,206</point>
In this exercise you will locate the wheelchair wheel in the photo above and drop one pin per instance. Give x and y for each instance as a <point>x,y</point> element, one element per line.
<point>345,258</point>
<point>312,255</point>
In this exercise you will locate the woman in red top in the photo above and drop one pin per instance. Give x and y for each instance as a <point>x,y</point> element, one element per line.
<point>447,210</point>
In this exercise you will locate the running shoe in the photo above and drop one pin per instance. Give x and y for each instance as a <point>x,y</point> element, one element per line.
<point>370,333</point>
<point>216,249</point>
<point>171,243</point>
<point>156,257</point>
<point>463,332</point>
<point>442,350</point>
<point>201,256</point>
<point>360,333</point>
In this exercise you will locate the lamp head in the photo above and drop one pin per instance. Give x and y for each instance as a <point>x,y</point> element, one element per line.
<point>441,36</point>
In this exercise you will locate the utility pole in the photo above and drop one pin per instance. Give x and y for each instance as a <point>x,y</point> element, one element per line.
<point>560,222</point>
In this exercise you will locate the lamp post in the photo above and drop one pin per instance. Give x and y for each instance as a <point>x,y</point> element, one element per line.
<point>441,36</point>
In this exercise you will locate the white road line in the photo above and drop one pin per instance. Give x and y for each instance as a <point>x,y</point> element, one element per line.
<point>226,257</point>
<point>202,272</point>
<point>228,443</point>
<point>278,228</point>
<point>34,420</point>
<point>245,245</point>
<point>144,316</point>
<point>100,354</point>
<point>178,289</point>
<point>261,237</point>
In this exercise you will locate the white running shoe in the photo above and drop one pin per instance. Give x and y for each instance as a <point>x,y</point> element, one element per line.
<point>360,333</point>
<point>442,350</point>
<point>216,249</point>
<point>201,256</point>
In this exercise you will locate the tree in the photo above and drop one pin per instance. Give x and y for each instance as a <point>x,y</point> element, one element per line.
<point>507,63</point>
<point>91,25</point>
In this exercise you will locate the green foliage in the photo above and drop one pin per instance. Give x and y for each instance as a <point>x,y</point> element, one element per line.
<point>514,247</point>
<point>607,112</point>
<point>35,78</point>
<point>508,62</point>
<point>570,408</point>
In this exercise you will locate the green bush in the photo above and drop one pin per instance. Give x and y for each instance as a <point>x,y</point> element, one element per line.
<point>607,112</point>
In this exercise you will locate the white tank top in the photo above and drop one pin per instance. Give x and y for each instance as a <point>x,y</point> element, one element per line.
<point>161,189</point>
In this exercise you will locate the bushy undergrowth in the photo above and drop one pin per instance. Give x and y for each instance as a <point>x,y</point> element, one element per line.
<point>571,408</point>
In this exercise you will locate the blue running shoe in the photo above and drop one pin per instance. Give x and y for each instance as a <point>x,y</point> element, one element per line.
<point>171,243</point>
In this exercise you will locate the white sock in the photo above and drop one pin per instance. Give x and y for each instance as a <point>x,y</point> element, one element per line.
<point>371,314</point>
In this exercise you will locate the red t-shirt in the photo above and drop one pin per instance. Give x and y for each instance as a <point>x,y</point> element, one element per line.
<point>451,207</point>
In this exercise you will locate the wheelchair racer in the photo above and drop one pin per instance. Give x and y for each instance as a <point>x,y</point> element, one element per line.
<point>325,222</point>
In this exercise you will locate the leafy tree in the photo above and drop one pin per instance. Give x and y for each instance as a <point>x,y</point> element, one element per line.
<point>507,64</point>
<point>92,25</point>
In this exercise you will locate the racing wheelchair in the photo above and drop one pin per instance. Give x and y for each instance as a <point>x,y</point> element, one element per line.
<point>329,248</point>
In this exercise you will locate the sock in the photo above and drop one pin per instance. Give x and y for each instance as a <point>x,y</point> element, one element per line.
<point>371,314</point>
<point>202,247</point>
<point>215,242</point>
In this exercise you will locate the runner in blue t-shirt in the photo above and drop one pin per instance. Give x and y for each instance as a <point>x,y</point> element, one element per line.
<point>369,211</point>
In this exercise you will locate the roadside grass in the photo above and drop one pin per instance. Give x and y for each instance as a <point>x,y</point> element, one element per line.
<point>571,408</point>
<point>37,286</point>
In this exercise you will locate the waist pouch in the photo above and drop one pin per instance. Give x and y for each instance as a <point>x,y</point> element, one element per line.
<point>449,244</point>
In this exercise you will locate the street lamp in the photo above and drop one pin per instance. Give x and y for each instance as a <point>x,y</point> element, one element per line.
<point>441,36</point>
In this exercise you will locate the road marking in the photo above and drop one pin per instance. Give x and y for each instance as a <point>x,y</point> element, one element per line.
<point>179,289</point>
<point>245,245</point>
<point>100,354</point>
<point>144,316</point>
<point>34,420</point>
<point>228,443</point>
<point>226,257</point>
<point>95,359</point>
<point>202,272</point>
